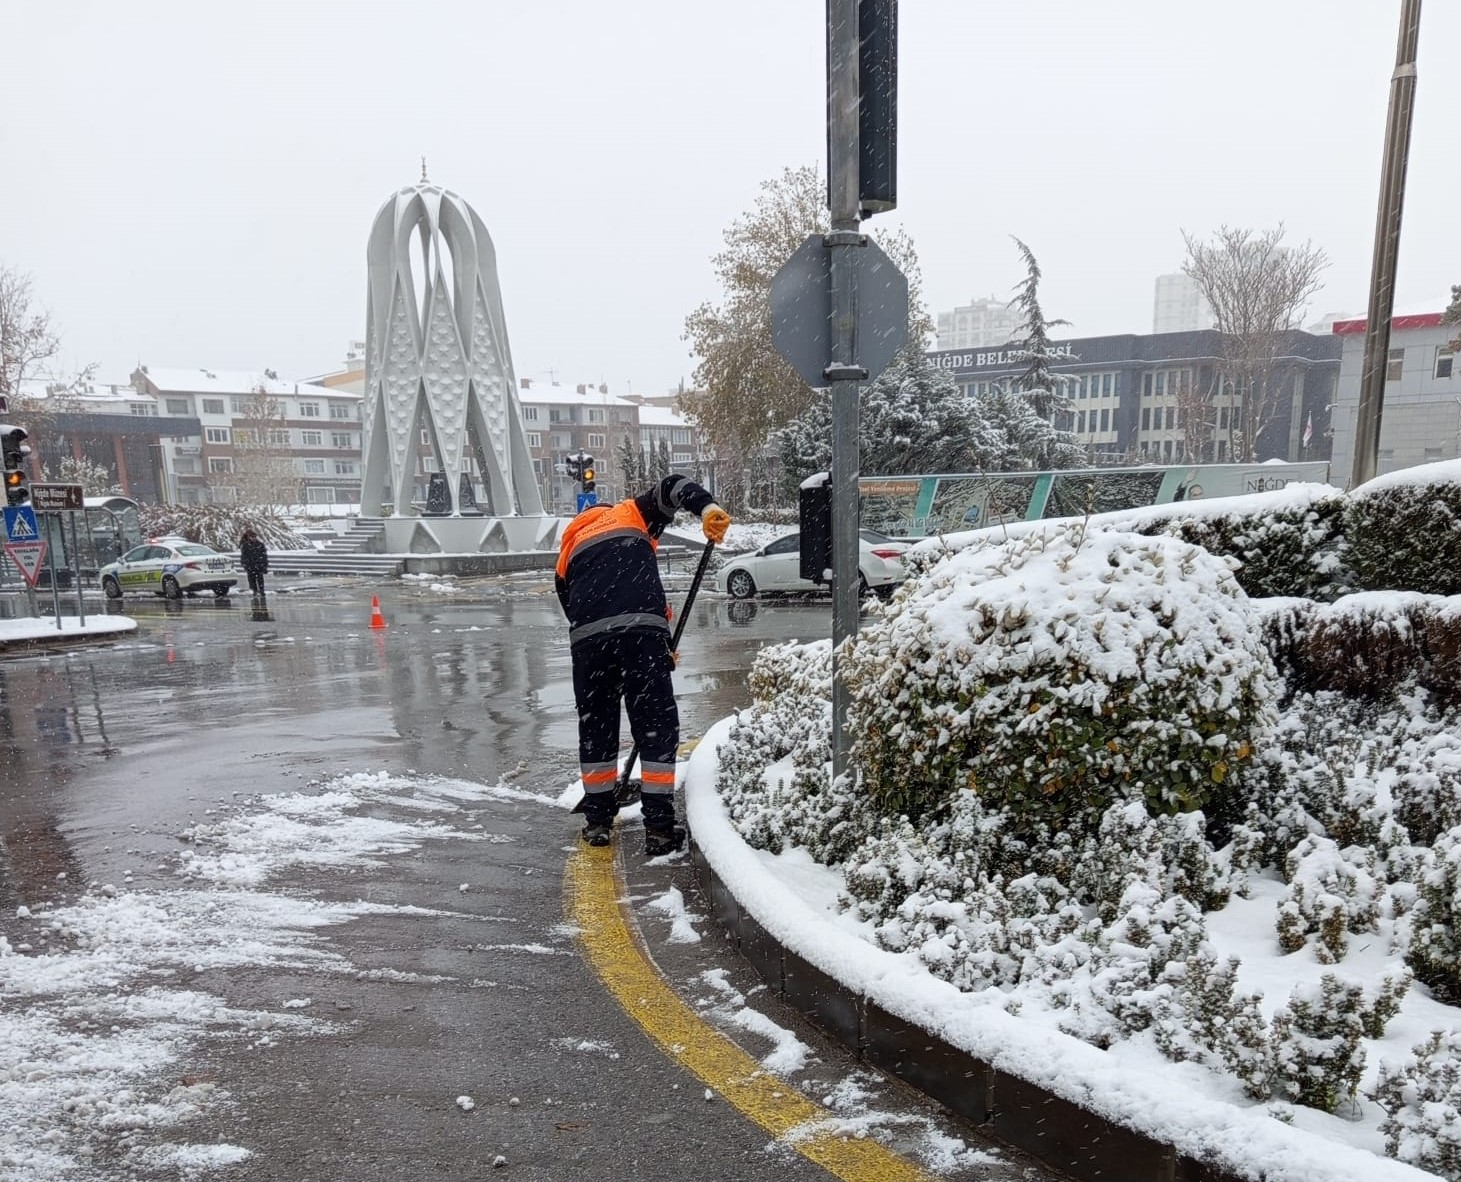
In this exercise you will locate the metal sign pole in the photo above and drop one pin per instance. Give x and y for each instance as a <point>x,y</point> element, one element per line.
<point>55,588</point>
<point>842,372</point>
<point>76,571</point>
<point>1387,248</point>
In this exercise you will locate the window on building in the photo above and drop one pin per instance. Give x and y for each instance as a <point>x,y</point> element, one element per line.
<point>179,406</point>
<point>220,464</point>
<point>1146,384</point>
<point>560,414</point>
<point>428,464</point>
<point>341,439</point>
<point>595,415</point>
<point>213,406</point>
<point>345,468</point>
<point>314,467</point>
<point>342,410</point>
<point>680,435</point>
<point>1395,365</point>
<point>1105,418</point>
<point>1171,417</point>
<point>596,441</point>
<point>1108,384</point>
<point>312,438</point>
<point>1222,450</point>
<point>530,414</point>
<point>1222,418</point>
<point>1445,362</point>
<point>309,410</point>
<point>143,409</point>
<point>425,436</point>
<point>185,466</point>
<point>1435,453</point>
<point>217,434</point>
<point>1146,418</point>
<point>535,439</point>
<point>238,406</point>
<point>561,441</point>
<point>278,438</point>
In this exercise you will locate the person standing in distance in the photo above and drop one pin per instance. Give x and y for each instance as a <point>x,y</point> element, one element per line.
<point>619,636</point>
<point>255,559</point>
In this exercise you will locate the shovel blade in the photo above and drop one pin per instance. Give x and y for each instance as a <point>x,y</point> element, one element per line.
<point>624,794</point>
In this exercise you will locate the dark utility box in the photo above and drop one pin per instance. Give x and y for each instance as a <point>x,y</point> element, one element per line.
<point>816,524</point>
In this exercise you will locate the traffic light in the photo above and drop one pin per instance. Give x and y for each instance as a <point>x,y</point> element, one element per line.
<point>17,480</point>
<point>588,474</point>
<point>572,465</point>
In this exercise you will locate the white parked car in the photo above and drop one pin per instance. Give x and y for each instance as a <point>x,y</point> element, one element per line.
<point>169,567</point>
<point>776,568</point>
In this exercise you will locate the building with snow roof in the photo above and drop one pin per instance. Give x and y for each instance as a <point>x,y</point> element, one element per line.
<point>109,424</point>
<point>310,434</point>
<point>1420,418</point>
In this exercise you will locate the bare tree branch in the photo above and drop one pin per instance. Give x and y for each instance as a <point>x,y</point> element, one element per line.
<point>746,390</point>
<point>27,337</point>
<point>1257,289</point>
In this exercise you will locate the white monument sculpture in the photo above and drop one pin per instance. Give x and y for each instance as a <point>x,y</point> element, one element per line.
<point>438,371</point>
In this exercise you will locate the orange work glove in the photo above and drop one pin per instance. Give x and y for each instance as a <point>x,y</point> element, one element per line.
<point>714,521</point>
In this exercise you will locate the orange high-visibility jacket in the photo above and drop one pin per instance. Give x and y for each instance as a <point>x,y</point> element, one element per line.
<point>607,576</point>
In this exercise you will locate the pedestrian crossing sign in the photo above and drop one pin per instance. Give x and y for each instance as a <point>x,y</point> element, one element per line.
<point>20,524</point>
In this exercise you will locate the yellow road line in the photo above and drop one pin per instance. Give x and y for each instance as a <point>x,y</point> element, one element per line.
<point>592,887</point>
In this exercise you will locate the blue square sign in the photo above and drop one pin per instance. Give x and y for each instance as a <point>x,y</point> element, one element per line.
<point>20,524</point>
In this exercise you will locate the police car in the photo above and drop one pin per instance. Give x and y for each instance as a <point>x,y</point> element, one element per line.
<point>170,567</point>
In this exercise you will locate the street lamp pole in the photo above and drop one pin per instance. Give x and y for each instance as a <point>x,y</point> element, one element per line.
<point>1387,247</point>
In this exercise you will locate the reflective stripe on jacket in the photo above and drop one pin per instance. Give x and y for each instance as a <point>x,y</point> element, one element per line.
<point>607,576</point>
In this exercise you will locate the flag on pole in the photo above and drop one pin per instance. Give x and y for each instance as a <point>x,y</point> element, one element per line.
<point>1309,429</point>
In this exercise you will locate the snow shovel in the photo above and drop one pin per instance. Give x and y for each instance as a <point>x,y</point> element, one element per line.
<point>627,791</point>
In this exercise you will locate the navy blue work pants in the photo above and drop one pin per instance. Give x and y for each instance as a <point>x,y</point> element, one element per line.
<point>632,667</point>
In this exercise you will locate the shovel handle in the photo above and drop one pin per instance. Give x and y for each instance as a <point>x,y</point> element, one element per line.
<point>674,645</point>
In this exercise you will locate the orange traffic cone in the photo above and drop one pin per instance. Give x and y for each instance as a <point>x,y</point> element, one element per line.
<point>376,619</point>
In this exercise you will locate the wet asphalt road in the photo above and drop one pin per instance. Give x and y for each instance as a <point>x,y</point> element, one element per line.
<point>111,752</point>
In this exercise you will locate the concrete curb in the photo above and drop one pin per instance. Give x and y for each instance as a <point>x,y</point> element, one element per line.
<point>1012,1110</point>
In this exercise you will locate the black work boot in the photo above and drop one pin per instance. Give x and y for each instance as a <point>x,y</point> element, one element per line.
<point>596,833</point>
<point>658,842</point>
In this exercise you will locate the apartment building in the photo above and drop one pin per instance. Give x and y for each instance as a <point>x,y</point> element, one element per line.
<point>563,420</point>
<point>309,433</point>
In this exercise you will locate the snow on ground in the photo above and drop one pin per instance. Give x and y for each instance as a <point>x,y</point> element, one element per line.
<point>97,1009</point>
<point>752,535</point>
<point>46,627</point>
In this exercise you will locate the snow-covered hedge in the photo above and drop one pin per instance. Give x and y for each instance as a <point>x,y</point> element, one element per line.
<point>1296,549</point>
<point>1404,530</point>
<point>1059,672</point>
<point>1099,907</point>
<point>1289,541</point>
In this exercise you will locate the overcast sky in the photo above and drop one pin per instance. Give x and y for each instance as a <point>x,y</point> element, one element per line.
<point>192,184</point>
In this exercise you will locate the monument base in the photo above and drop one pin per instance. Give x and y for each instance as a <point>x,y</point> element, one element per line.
<point>468,535</point>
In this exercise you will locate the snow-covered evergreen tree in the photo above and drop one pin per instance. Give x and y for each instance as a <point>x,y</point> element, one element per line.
<point>1039,384</point>
<point>913,419</point>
